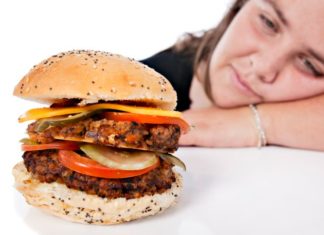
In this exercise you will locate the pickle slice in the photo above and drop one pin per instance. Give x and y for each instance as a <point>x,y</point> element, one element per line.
<point>44,123</point>
<point>172,159</point>
<point>120,159</point>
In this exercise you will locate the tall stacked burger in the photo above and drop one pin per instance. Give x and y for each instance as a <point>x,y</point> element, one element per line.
<point>101,152</point>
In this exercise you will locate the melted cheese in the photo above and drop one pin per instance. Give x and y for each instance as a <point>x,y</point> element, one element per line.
<point>34,114</point>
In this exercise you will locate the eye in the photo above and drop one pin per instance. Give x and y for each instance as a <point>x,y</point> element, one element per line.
<point>309,66</point>
<point>269,24</point>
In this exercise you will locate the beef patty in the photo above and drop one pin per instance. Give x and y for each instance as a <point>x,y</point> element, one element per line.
<point>121,134</point>
<point>45,166</point>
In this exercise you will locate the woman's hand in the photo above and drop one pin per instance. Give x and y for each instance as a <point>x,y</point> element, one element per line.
<point>215,127</point>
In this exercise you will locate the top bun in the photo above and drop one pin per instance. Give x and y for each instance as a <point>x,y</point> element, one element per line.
<point>93,76</point>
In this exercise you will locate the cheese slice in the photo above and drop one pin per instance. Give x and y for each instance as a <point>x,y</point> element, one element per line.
<point>34,114</point>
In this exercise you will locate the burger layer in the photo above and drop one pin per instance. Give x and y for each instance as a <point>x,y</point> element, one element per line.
<point>121,134</point>
<point>45,166</point>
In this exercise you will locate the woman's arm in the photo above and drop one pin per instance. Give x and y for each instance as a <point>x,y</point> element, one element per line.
<point>298,124</point>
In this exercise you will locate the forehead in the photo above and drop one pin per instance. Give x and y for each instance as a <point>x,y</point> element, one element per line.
<point>305,17</point>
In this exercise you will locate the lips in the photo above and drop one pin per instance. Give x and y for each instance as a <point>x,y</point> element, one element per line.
<point>241,84</point>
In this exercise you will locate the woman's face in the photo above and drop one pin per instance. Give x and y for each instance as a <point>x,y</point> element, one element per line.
<point>272,51</point>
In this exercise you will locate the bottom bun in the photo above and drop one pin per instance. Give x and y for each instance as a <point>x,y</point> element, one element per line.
<point>77,206</point>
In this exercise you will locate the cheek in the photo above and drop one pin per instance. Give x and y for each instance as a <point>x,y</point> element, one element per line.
<point>241,39</point>
<point>293,85</point>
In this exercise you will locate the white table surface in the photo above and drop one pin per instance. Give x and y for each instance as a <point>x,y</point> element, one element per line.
<point>227,191</point>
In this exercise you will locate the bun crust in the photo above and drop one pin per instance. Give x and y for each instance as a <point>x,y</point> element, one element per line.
<point>92,76</point>
<point>80,207</point>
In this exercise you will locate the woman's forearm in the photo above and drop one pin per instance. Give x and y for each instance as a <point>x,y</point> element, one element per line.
<point>298,124</point>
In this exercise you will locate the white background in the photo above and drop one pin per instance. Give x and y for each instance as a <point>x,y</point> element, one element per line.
<point>227,191</point>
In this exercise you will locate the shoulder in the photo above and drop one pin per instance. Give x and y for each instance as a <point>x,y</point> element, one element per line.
<point>177,67</point>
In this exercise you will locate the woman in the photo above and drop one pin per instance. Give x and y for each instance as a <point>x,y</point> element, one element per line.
<point>255,79</point>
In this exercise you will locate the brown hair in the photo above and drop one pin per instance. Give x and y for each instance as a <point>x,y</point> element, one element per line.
<point>202,46</point>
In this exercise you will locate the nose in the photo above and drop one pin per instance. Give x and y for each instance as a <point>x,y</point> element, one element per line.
<point>266,68</point>
<point>269,77</point>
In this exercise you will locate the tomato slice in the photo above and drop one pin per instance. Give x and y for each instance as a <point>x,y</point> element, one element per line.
<point>149,119</point>
<point>87,166</point>
<point>67,145</point>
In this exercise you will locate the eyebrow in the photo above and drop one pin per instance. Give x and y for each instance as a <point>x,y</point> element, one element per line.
<point>278,11</point>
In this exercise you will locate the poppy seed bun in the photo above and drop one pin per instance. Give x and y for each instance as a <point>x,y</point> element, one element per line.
<point>80,207</point>
<point>92,76</point>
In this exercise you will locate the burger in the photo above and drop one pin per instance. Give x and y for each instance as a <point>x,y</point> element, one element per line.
<point>100,152</point>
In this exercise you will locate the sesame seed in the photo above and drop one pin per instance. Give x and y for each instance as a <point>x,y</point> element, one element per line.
<point>131,83</point>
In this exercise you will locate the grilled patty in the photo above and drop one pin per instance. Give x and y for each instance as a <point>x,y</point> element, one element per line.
<point>45,166</point>
<point>122,134</point>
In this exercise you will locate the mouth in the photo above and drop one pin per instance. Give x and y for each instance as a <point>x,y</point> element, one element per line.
<point>241,84</point>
